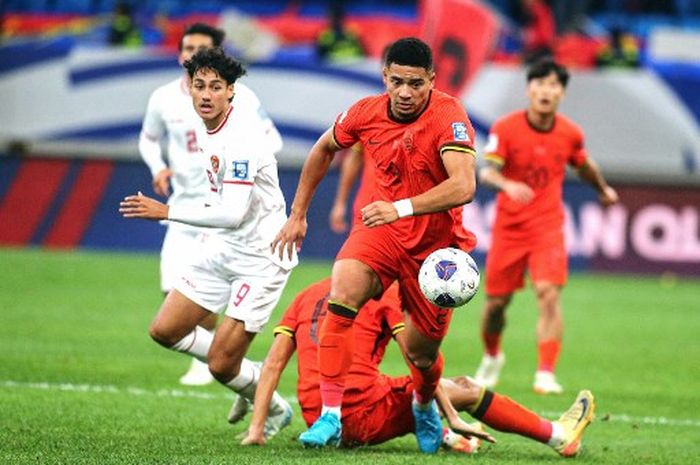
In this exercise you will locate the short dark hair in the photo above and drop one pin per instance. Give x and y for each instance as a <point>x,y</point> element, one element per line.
<point>410,51</point>
<point>545,67</point>
<point>217,35</point>
<point>216,60</point>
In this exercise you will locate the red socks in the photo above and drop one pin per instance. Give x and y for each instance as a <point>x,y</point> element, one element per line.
<point>492,343</point>
<point>336,338</point>
<point>504,414</point>
<point>425,382</point>
<point>548,354</point>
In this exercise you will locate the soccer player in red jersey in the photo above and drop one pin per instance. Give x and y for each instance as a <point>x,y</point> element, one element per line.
<point>420,141</point>
<point>527,154</point>
<point>376,407</point>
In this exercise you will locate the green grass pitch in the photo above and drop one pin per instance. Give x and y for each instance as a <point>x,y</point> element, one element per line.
<point>80,381</point>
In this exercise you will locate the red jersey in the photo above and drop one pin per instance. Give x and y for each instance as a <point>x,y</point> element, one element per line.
<point>407,159</point>
<point>464,238</point>
<point>537,158</point>
<point>373,327</point>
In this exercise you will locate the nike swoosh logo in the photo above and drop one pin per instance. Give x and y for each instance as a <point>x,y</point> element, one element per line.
<point>584,404</point>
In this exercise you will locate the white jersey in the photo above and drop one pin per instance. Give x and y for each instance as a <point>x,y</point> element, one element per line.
<point>242,178</point>
<point>171,112</point>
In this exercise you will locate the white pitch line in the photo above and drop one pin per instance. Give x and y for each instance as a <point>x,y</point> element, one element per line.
<point>135,391</point>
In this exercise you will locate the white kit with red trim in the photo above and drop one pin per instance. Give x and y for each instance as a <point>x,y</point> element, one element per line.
<point>243,184</point>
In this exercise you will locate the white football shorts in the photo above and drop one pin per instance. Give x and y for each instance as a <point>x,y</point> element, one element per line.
<point>246,286</point>
<point>180,243</point>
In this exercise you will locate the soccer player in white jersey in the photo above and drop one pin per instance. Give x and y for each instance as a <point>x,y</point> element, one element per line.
<point>234,269</point>
<point>170,113</point>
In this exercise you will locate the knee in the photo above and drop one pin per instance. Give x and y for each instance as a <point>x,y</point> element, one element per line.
<point>548,297</point>
<point>421,360</point>
<point>160,335</point>
<point>496,306</point>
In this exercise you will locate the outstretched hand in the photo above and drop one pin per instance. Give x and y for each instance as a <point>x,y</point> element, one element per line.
<point>608,196</point>
<point>291,236</point>
<point>141,206</point>
<point>253,439</point>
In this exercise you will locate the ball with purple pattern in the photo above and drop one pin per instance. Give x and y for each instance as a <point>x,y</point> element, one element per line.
<point>449,277</point>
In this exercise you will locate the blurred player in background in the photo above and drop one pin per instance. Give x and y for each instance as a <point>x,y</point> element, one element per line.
<point>234,267</point>
<point>170,113</point>
<point>420,141</point>
<point>527,153</point>
<point>378,407</point>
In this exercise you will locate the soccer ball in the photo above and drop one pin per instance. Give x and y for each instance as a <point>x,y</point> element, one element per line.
<point>449,277</point>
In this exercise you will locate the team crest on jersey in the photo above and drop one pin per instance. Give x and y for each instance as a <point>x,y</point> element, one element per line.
<point>240,169</point>
<point>214,164</point>
<point>459,130</point>
<point>408,141</point>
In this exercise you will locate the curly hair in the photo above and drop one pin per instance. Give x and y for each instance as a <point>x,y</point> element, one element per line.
<point>216,60</point>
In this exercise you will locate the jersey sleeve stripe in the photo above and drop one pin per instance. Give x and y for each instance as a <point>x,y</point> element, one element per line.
<point>396,329</point>
<point>457,148</point>
<point>494,158</point>
<point>336,140</point>
<point>245,183</point>
<point>286,330</point>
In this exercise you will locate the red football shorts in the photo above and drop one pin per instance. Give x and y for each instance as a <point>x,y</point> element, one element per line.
<point>388,418</point>
<point>378,249</point>
<point>543,256</point>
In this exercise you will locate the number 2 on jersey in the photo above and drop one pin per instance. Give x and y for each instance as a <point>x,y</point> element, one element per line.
<point>191,136</point>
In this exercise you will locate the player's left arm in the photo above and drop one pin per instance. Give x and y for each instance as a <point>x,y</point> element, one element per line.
<point>590,172</point>
<point>456,190</point>
<point>276,361</point>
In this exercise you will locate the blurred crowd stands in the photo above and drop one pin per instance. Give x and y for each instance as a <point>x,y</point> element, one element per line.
<point>581,33</point>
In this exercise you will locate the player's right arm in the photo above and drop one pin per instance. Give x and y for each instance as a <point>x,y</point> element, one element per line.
<point>349,172</point>
<point>491,175</point>
<point>276,361</point>
<point>152,130</point>
<point>315,168</point>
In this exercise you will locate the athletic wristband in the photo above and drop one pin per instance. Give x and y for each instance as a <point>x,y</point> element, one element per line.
<point>404,208</point>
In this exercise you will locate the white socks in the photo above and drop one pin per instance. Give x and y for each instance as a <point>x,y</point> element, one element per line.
<point>196,343</point>
<point>247,380</point>
<point>558,435</point>
<point>333,410</point>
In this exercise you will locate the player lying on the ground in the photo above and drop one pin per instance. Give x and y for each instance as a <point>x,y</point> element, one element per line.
<point>378,406</point>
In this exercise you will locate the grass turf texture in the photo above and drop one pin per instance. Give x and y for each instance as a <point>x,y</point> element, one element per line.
<point>77,322</point>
